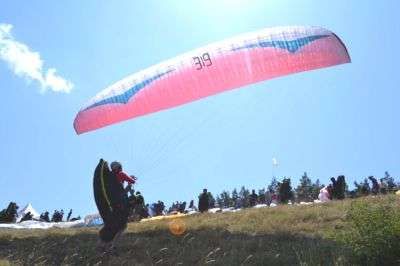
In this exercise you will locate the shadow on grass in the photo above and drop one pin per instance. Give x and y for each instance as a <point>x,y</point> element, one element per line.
<point>162,248</point>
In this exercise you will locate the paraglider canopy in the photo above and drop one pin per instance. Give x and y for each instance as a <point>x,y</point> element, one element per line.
<point>213,69</point>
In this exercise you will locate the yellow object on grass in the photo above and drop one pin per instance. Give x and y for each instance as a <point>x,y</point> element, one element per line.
<point>163,217</point>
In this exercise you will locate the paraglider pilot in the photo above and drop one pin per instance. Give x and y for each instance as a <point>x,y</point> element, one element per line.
<point>116,168</point>
<point>112,201</point>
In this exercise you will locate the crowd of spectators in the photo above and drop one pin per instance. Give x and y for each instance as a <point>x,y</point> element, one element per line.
<point>275,193</point>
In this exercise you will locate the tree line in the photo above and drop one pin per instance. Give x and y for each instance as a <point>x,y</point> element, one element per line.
<point>307,190</point>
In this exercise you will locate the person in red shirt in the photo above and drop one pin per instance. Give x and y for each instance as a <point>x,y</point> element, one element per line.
<point>122,177</point>
<point>120,212</point>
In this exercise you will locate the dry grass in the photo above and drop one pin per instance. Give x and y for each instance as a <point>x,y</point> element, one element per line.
<point>286,235</point>
<point>313,220</point>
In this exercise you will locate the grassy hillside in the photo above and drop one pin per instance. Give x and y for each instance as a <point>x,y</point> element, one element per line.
<point>285,235</point>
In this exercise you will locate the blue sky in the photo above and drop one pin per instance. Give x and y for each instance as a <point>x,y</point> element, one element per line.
<point>340,120</point>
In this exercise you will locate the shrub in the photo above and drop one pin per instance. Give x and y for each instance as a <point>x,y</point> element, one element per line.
<point>374,232</point>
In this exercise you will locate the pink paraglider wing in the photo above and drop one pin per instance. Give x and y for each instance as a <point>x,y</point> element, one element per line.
<point>213,69</point>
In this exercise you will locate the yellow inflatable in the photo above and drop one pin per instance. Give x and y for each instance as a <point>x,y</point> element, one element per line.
<point>164,217</point>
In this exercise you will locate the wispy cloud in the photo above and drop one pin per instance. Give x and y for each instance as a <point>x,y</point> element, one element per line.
<point>27,63</point>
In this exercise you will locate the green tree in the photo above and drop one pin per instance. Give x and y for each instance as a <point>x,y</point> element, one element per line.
<point>305,189</point>
<point>219,201</point>
<point>341,187</point>
<point>235,196</point>
<point>273,186</point>
<point>261,195</point>
<point>391,184</point>
<point>362,189</point>
<point>316,187</point>
<point>226,199</point>
<point>211,200</point>
<point>244,197</point>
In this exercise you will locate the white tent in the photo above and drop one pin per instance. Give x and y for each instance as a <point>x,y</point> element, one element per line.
<point>25,210</point>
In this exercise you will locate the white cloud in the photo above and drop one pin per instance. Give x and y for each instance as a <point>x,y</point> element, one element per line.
<point>28,64</point>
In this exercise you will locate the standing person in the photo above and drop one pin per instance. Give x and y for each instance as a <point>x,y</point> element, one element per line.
<point>383,186</point>
<point>274,198</point>
<point>27,217</point>
<point>329,188</point>
<point>204,203</point>
<point>340,187</point>
<point>9,215</point>
<point>191,204</point>
<point>268,197</point>
<point>139,199</point>
<point>138,208</point>
<point>333,191</point>
<point>192,207</point>
<point>112,201</point>
<point>182,207</point>
<point>44,217</point>
<point>69,215</point>
<point>253,198</point>
<point>375,185</point>
<point>116,168</point>
<point>61,215</point>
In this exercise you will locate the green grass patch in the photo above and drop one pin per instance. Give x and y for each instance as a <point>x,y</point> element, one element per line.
<point>374,232</point>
